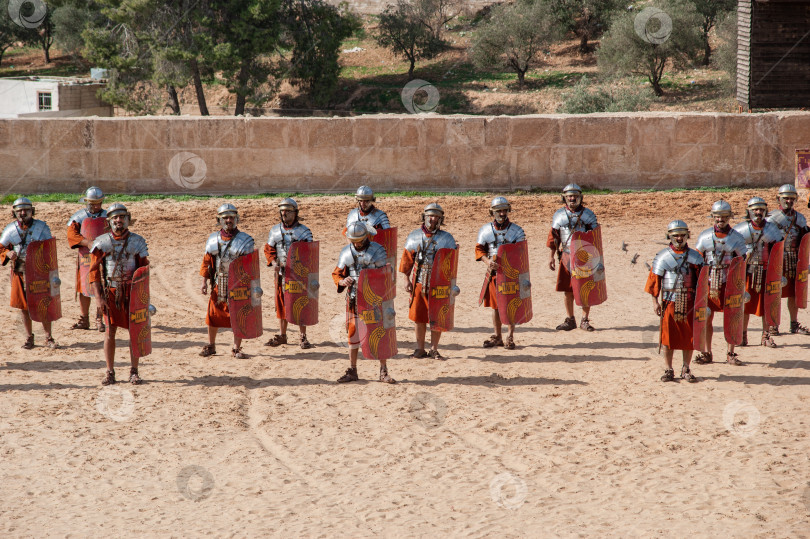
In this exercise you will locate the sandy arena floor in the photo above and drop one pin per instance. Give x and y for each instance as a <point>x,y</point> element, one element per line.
<point>571,434</point>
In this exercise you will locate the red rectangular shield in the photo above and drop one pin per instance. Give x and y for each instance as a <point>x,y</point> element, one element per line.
<point>245,296</point>
<point>388,239</point>
<point>42,284</point>
<point>140,317</point>
<point>773,285</point>
<point>588,268</point>
<point>90,229</point>
<point>375,308</point>
<point>301,284</point>
<point>443,290</point>
<point>514,293</point>
<point>734,304</point>
<point>701,314</point>
<point>801,272</point>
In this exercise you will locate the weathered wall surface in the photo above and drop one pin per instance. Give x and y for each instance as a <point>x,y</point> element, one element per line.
<point>377,6</point>
<point>399,152</point>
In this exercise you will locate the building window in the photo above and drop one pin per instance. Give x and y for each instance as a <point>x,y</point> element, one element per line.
<point>44,99</point>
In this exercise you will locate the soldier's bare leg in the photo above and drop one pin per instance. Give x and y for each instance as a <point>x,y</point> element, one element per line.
<point>496,323</point>
<point>109,347</point>
<point>421,330</point>
<point>569,304</point>
<point>686,372</point>
<point>669,372</point>
<point>84,305</point>
<point>434,339</point>
<point>282,324</point>
<point>511,332</point>
<point>26,320</point>
<point>709,331</point>
<point>212,335</point>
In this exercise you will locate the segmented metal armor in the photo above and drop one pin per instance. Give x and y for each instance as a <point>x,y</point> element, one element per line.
<point>372,256</point>
<point>374,219</point>
<point>567,222</point>
<point>282,237</point>
<point>793,226</point>
<point>756,257</point>
<point>718,252</point>
<point>424,249</point>
<point>492,238</point>
<point>121,262</point>
<point>83,214</point>
<point>677,278</point>
<point>225,252</point>
<point>15,237</point>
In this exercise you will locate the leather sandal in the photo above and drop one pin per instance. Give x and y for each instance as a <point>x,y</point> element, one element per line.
<point>82,323</point>
<point>510,343</point>
<point>109,378</point>
<point>385,377</point>
<point>277,340</point>
<point>669,375</point>
<point>29,343</point>
<point>568,324</point>
<point>586,325</point>
<point>436,355</point>
<point>420,353</point>
<point>134,379</point>
<point>797,329</point>
<point>349,376</point>
<point>238,354</point>
<point>704,358</point>
<point>687,375</point>
<point>767,340</point>
<point>493,341</point>
<point>305,343</point>
<point>774,330</point>
<point>733,359</point>
<point>208,350</point>
<point>51,343</point>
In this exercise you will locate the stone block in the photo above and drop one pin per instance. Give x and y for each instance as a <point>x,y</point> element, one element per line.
<point>496,132</point>
<point>592,130</point>
<point>534,132</point>
<point>795,130</point>
<point>736,129</point>
<point>465,132</point>
<point>67,133</point>
<point>651,130</point>
<point>332,132</point>
<point>266,133</point>
<point>696,129</point>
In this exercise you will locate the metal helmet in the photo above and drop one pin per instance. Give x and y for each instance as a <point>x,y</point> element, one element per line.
<point>22,203</point>
<point>721,207</point>
<point>364,192</point>
<point>288,204</point>
<point>357,231</point>
<point>93,194</point>
<point>677,227</point>
<point>227,209</point>
<point>499,203</point>
<point>433,209</point>
<point>753,203</point>
<point>788,190</point>
<point>118,209</point>
<point>571,188</point>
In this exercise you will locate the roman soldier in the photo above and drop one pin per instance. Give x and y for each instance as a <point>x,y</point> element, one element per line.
<point>718,245</point>
<point>420,250</point>
<point>673,277</point>
<point>793,226</point>
<point>281,236</point>
<point>574,216</point>
<point>365,212</point>
<point>114,258</point>
<point>760,235</point>
<point>360,254</point>
<point>222,248</point>
<point>14,241</point>
<point>491,236</point>
<point>82,241</point>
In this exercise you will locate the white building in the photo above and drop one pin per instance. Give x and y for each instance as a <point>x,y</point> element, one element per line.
<point>44,97</point>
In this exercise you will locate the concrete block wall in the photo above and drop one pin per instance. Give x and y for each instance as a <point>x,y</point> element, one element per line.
<point>399,152</point>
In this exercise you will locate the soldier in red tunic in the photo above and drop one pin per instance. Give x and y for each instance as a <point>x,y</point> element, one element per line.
<point>93,197</point>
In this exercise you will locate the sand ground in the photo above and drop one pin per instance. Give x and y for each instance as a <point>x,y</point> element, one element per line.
<point>570,434</point>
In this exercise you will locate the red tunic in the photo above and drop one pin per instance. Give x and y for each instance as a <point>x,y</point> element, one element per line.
<point>75,238</point>
<point>217,314</point>
<point>674,335</point>
<point>116,315</point>
<point>17,281</point>
<point>352,320</point>
<point>564,271</point>
<point>418,311</point>
<point>271,255</point>
<point>491,292</point>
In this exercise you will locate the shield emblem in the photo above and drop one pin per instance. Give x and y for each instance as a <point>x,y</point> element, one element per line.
<point>701,314</point>
<point>734,302</point>
<point>42,283</point>
<point>443,289</point>
<point>388,239</point>
<point>375,308</point>
<point>90,229</point>
<point>801,272</point>
<point>245,296</point>
<point>514,293</point>
<point>773,285</point>
<point>301,284</point>
<point>588,268</point>
<point>140,314</point>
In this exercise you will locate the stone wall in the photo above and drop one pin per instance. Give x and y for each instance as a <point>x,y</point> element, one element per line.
<point>377,6</point>
<point>399,152</point>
